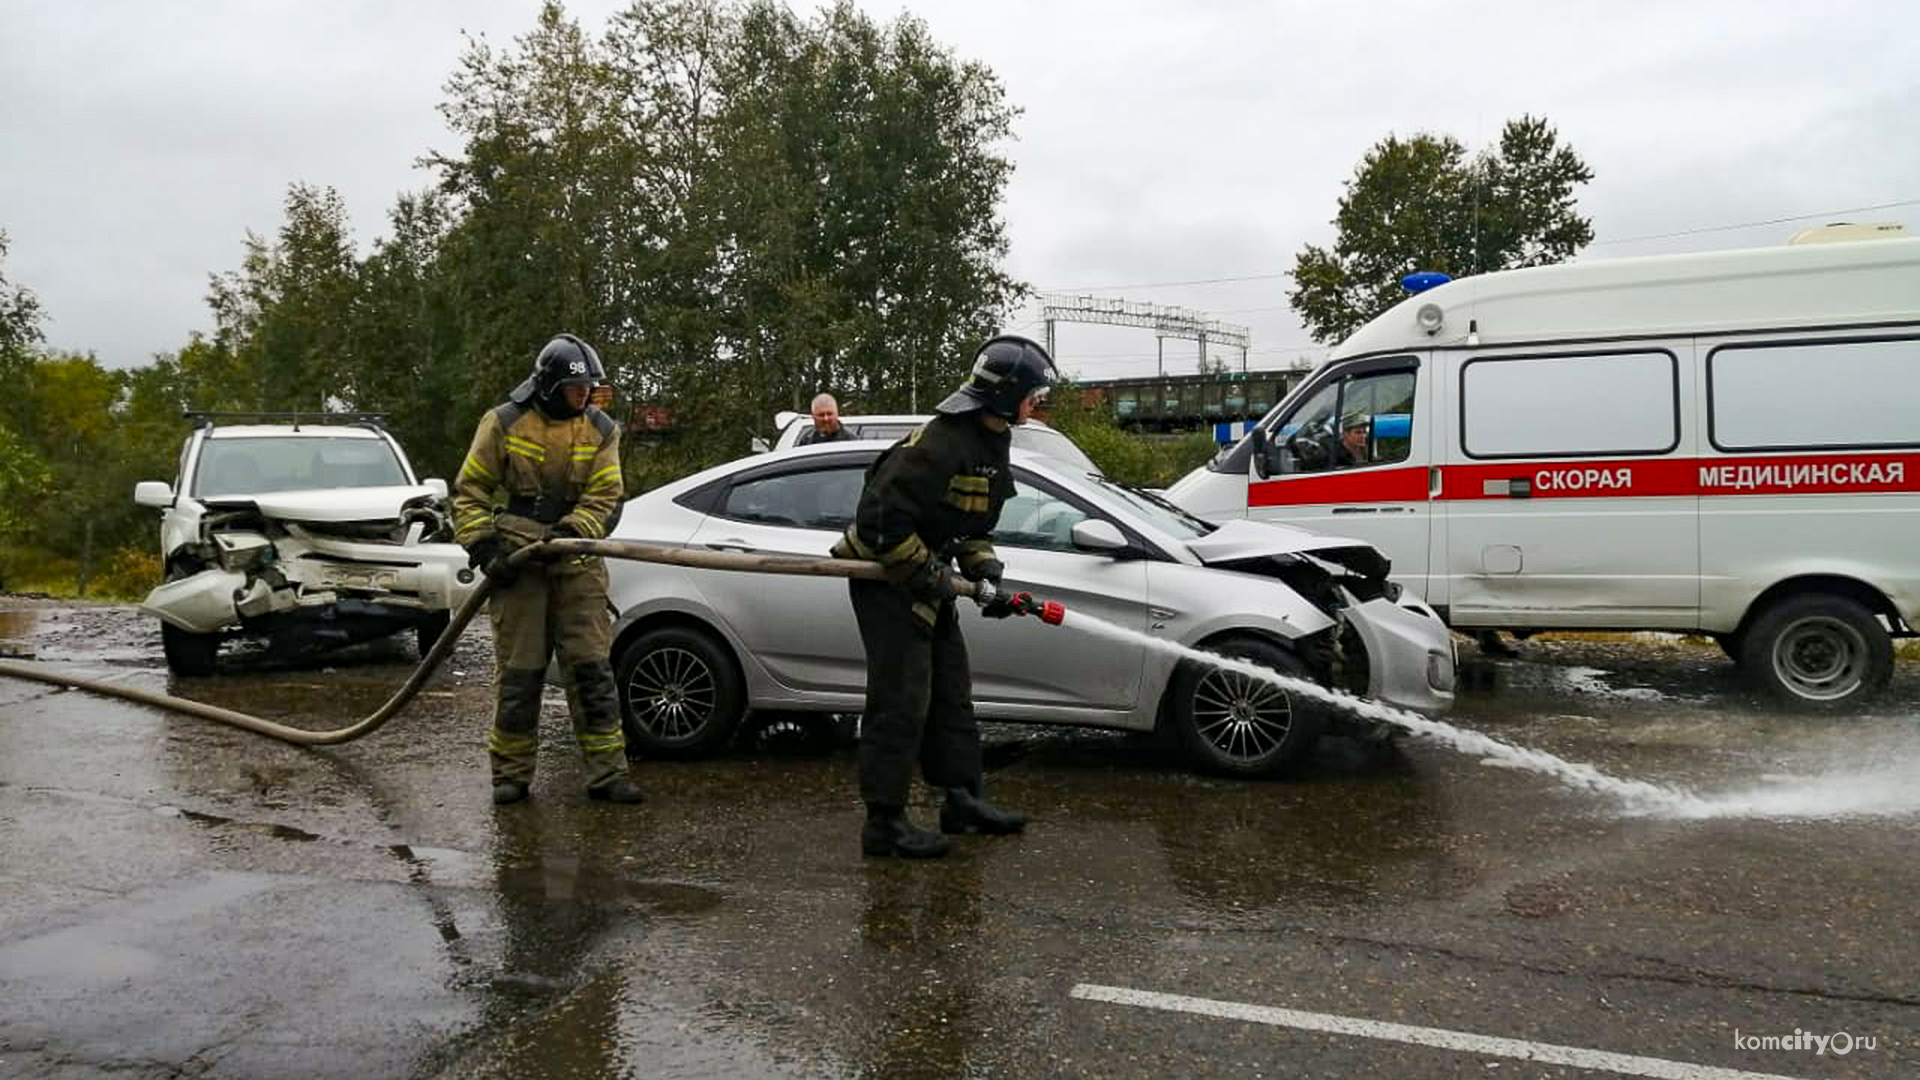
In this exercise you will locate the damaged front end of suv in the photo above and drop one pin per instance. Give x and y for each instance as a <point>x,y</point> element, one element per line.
<point>304,569</point>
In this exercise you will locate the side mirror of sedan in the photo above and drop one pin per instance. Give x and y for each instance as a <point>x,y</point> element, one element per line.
<point>1093,534</point>
<point>154,493</point>
<point>435,485</point>
<point>1257,438</point>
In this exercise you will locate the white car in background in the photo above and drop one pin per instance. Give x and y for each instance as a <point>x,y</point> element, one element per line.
<point>694,650</point>
<point>305,535</point>
<point>1032,435</point>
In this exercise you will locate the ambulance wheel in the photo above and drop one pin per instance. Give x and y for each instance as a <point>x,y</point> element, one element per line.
<point>681,694</point>
<point>1734,645</point>
<point>1818,652</point>
<point>1238,725</point>
<point>188,653</point>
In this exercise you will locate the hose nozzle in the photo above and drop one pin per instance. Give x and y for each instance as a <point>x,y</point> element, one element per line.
<point>1051,612</point>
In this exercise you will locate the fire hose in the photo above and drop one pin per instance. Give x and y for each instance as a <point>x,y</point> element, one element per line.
<point>981,592</point>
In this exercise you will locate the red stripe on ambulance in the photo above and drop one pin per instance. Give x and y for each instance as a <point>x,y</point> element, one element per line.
<point>1799,474</point>
<point>1357,486</point>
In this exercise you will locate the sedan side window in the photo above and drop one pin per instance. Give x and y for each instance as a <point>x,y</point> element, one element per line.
<point>820,499</point>
<point>1033,518</point>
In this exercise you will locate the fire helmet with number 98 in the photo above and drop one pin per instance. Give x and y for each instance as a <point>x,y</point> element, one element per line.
<point>565,361</point>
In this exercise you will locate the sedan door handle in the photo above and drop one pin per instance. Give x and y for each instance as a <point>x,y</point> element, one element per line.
<point>730,545</point>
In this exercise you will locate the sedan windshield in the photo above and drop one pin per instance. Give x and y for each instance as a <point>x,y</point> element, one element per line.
<point>1162,514</point>
<point>1053,444</point>
<point>253,466</point>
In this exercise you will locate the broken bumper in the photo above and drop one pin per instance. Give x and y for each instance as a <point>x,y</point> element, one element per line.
<point>1409,652</point>
<point>219,599</point>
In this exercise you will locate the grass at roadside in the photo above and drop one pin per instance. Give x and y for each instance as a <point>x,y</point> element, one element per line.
<point>123,575</point>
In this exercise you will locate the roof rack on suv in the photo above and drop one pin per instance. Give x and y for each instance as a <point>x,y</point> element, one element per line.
<point>205,418</point>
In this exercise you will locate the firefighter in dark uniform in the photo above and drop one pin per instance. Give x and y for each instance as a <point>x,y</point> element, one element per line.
<point>546,465</point>
<point>930,501</point>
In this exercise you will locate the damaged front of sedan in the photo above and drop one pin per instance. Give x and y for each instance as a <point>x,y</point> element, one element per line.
<point>301,536</point>
<point>1303,604</point>
<point>1381,642</point>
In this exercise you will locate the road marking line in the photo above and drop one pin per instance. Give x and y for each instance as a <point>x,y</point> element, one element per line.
<point>1525,1050</point>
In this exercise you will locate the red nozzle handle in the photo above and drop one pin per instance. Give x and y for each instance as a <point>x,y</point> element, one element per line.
<point>1051,612</point>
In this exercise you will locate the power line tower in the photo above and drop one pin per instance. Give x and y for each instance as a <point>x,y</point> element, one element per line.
<point>1166,322</point>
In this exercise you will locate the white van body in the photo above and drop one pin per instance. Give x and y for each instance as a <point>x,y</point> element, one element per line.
<point>1726,442</point>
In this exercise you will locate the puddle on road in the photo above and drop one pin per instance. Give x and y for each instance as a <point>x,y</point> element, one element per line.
<point>17,623</point>
<point>567,881</point>
<point>16,629</point>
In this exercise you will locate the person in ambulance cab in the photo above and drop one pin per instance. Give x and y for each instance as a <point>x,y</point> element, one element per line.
<point>1352,452</point>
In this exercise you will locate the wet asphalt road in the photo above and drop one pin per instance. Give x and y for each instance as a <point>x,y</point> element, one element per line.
<point>181,899</point>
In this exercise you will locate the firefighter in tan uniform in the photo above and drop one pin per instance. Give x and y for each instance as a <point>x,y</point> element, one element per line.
<point>546,465</point>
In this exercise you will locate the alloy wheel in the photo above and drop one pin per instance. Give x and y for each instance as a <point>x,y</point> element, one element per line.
<point>1244,718</point>
<point>672,693</point>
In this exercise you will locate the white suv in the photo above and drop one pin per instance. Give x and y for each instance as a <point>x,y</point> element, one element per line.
<point>308,535</point>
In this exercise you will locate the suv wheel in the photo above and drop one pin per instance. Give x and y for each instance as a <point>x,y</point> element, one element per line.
<point>426,632</point>
<point>1817,651</point>
<point>188,653</point>
<point>681,694</point>
<point>1238,725</point>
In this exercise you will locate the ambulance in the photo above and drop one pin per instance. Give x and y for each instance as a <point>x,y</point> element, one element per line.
<point>1725,443</point>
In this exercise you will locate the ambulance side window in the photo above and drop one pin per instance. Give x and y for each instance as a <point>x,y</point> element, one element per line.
<point>1355,422</point>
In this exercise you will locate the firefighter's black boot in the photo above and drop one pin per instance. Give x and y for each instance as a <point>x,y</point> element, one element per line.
<point>966,812</point>
<point>508,791</point>
<point>617,790</point>
<point>888,832</point>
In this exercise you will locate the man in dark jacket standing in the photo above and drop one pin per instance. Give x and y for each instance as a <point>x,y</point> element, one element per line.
<point>826,423</point>
<point>930,501</point>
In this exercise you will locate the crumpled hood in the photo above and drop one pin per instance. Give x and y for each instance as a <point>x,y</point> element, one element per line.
<point>1244,539</point>
<point>331,504</point>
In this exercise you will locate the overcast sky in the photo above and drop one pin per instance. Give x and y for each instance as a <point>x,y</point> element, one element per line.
<point>1160,143</point>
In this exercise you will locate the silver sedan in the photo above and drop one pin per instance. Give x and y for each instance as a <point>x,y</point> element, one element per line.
<point>696,649</point>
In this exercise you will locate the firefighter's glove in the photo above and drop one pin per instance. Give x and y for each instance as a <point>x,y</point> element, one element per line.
<point>490,555</point>
<point>933,583</point>
<point>561,530</point>
<point>986,570</point>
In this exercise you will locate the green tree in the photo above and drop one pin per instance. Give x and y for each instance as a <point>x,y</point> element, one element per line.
<point>19,310</point>
<point>860,193</point>
<point>79,430</point>
<point>20,331</point>
<point>546,187</point>
<point>403,354</point>
<point>23,480</point>
<point>739,207</point>
<point>1422,204</point>
<point>285,313</point>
